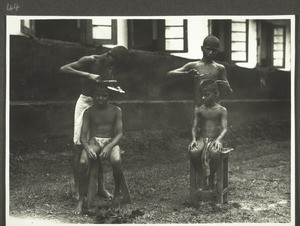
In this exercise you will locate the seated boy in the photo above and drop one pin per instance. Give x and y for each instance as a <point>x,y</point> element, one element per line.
<point>105,126</point>
<point>211,119</point>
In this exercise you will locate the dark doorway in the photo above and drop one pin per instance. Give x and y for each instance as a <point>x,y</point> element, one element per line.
<point>222,30</point>
<point>265,43</point>
<point>142,35</point>
<point>64,30</point>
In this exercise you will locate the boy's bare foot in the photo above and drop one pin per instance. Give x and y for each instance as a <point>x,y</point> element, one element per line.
<point>116,202</point>
<point>78,208</point>
<point>103,193</point>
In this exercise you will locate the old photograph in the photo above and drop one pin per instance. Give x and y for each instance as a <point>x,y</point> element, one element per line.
<point>150,120</point>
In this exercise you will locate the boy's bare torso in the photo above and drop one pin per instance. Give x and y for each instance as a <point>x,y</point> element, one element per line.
<point>102,121</point>
<point>210,120</point>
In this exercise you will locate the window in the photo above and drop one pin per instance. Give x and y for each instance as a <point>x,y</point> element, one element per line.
<point>28,27</point>
<point>278,46</point>
<point>103,31</point>
<point>175,35</point>
<point>239,37</point>
<point>93,31</point>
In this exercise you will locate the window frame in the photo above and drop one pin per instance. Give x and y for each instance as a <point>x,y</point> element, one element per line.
<point>185,38</point>
<point>283,42</point>
<point>28,30</point>
<point>112,41</point>
<point>246,42</point>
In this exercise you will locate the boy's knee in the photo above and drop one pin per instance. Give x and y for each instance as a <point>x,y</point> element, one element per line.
<point>115,157</point>
<point>83,164</point>
<point>115,161</point>
<point>195,153</point>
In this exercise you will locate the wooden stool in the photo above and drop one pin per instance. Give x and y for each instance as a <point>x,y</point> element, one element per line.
<point>197,182</point>
<point>92,186</point>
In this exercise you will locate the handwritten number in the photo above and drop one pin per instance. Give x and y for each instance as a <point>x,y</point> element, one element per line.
<point>12,7</point>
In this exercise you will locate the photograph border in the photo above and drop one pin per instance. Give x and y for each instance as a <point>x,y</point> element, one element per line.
<point>161,8</point>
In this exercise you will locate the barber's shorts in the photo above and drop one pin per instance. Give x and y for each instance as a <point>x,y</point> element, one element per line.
<point>83,103</point>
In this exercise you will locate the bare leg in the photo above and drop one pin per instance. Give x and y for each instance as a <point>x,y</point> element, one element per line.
<point>76,159</point>
<point>79,205</point>
<point>115,159</point>
<point>214,158</point>
<point>196,160</point>
<point>195,155</point>
<point>82,181</point>
<point>102,192</point>
<point>213,170</point>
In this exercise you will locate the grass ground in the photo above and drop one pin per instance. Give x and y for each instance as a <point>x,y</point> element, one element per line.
<point>157,171</point>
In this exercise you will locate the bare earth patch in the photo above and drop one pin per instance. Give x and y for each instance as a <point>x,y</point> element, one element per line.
<point>157,171</point>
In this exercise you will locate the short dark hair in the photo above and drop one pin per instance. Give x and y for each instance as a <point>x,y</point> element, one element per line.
<point>101,88</point>
<point>210,85</point>
<point>212,41</point>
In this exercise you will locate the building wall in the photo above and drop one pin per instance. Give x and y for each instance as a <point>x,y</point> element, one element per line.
<point>122,33</point>
<point>42,101</point>
<point>34,75</point>
<point>197,31</point>
<point>197,28</point>
<point>288,46</point>
<point>252,46</point>
<point>50,121</point>
<point>14,26</point>
<point>263,53</point>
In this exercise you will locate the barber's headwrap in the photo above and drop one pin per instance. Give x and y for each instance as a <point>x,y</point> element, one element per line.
<point>120,54</point>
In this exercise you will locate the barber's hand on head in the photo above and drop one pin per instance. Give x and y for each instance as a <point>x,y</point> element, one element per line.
<point>90,153</point>
<point>94,77</point>
<point>105,152</point>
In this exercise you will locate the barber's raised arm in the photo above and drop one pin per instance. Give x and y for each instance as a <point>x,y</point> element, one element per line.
<point>186,70</point>
<point>78,68</point>
<point>223,77</point>
<point>222,72</point>
<point>194,130</point>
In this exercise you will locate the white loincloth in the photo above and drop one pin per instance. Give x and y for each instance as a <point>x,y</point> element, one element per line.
<point>102,141</point>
